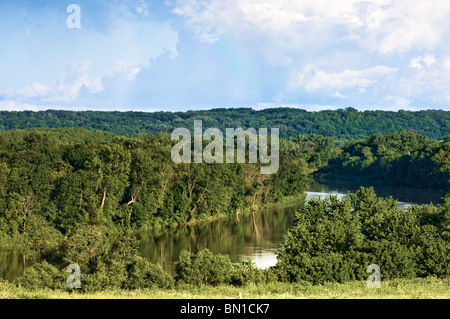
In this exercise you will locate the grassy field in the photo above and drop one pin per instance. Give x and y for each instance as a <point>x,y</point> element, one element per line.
<point>430,288</point>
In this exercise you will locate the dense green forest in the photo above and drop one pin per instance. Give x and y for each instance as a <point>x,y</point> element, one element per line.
<point>332,240</point>
<point>347,123</point>
<point>336,239</point>
<point>75,186</point>
<point>398,159</point>
<point>64,181</point>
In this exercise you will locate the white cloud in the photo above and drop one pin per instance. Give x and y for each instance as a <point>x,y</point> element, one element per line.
<point>399,102</point>
<point>128,70</point>
<point>418,62</point>
<point>142,8</point>
<point>11,105</point>
<point>77,76</point>
<point>33,91</point>
<point>284,51</point>
<point>384,26</point>
<point>41,60</point>
<point>313,80</point>
<point>67,90</point>
<point>307,107</point>
<point>338,95</point>
<point>447,62</point>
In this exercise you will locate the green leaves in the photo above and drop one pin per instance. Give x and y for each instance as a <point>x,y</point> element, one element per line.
<point>402,158</point>
<point>203,268</point>
<point>144,275</point>
<point>336,239</point>
<point>43,275</point>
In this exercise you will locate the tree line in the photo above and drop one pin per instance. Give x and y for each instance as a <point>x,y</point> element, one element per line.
<point>347,124</point>
<point>332,240</point>
<point>56,184</point>
<point>75,195</point>
<point>398,159</point>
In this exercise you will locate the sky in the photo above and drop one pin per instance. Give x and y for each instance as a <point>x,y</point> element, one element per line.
<point>179,55</point>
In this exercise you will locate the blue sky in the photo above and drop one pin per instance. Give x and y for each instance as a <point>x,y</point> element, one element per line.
<point>179,55</point>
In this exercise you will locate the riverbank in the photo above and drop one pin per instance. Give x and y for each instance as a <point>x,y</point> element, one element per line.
<point>419,288</point>
<point>285,201</point>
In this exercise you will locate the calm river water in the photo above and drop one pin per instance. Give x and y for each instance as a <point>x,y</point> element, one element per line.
<point>252,236</point>
<point>256,236</point>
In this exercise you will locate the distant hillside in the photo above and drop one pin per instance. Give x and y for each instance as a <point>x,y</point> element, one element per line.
<point>346,123</point>
<point>398,159</point>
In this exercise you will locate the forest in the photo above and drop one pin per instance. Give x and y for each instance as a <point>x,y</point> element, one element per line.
<point>347,124</point>
<point>76,186</point>
<point>398,159</point>
<point>65,181</point>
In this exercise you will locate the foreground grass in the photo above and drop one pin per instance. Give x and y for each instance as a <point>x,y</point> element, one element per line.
<point>429,288</point>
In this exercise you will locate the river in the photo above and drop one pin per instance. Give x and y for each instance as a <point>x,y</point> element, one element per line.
<point>250,236</point>
<point>257,237</point>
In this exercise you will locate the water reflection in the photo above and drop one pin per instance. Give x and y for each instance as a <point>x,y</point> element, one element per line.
<point>406,196</point>
<point>251,236</point>
<point>11,264</point>
<point>257,236</point>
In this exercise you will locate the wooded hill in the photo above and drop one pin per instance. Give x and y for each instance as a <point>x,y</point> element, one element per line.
<point>346,123</point>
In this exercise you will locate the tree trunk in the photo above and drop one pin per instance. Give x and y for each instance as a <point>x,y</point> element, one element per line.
<point>104,197</point>
<point>133,199</point>
<point>23,261</point>
<point>254,225</point>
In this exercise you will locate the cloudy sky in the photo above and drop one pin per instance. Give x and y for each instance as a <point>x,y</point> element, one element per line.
<point>200,54</point>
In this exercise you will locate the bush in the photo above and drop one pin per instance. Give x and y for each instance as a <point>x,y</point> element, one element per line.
<point>82,246</point>
<point>395,260</point>
<point>337,239</point>
<point>203,268</point>
<point>43,275</point>
<point>246,272</point>
<point>91,283</point>
<point>315,249</point>
<point>143,274</point>
<point>434,253</point>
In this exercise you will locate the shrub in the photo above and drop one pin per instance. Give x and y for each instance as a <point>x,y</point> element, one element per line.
<point>337,239</point>
<point>395,259</point>
<point>246,272</point>
<point>91,283</point>
<point>434,253</point>
<point>143,274</point>
<point>82,246</point>
<point>203,268</point>
<point>123,268</point>
<point>43,275</point>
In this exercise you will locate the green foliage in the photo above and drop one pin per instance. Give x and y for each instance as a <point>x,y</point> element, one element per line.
<point>80,247</point>
<point>398,159</point>
<point>121,267</point>
<point>246,272</point>
<point>292,176</point>
<point>65,192</point>
<point>316,150</point>
<point>38,239</point>
<point>81,184</point>
<point>203,268</point>
<point>343,124</point>
<point>337,239</point>
<point>42,275</point>
<point>142,274</point>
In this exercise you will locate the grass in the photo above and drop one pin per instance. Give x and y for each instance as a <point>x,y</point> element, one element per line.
<point>420,288</point>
